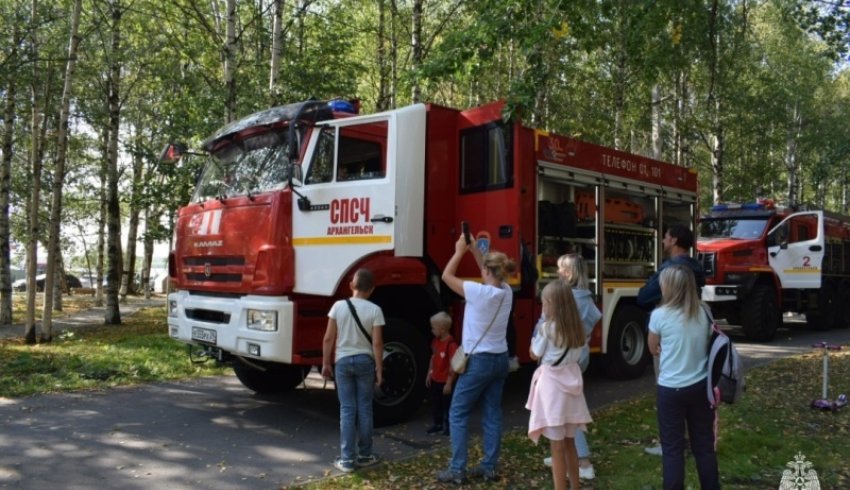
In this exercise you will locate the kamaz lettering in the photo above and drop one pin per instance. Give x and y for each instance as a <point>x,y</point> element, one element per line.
<point>208,244</point>
<point>350,210</point>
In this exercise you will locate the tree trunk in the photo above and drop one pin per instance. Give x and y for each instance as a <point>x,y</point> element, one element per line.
<point>128,284</point>
<point>101,220</point>
<point>148,257</point>
<point>58,181</point>
<point>5,190</point>
<point>679,140</point>
<point>230,62</point>
<point>393,90</point>
<point>717,151</point>
<point>715,105</point>
<point>416,50</point>
<point>35,175</point>
<point>792,166</point>
<point>657,143</point>
<point>277,46</point>
<point>113,220</point>
<point>382,103</point>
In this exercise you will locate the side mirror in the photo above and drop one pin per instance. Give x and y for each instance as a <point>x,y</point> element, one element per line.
<point>172,153</point>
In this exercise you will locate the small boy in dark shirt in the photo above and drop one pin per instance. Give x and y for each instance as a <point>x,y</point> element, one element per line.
<point>440,375</point>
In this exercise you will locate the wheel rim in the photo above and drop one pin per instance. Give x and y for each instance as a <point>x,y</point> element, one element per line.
<point>399,374</point>
<point>632,343</point>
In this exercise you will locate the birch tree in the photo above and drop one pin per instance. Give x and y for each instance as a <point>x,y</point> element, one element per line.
<point>6,147</point>
<point>59,176</point>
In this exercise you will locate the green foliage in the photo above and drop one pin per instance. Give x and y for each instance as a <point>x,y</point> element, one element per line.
<point>583,68</point>
<point>138,351</point>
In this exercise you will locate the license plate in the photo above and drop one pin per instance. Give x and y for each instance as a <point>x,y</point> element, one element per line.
<point>203,335</point>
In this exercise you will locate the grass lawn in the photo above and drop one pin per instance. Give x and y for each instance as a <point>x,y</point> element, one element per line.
<point>758,436</point>
<point>137,351</point>
<point>70,304</point>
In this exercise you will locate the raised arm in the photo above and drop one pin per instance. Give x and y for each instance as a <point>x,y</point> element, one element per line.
<point>450,272</point>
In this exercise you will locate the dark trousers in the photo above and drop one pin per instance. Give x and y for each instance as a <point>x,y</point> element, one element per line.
<point>440,404</point>
<point>678,408</point>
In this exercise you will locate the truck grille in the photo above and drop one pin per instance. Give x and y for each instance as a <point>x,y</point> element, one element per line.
<point>209,316</point>
<point>214,269</point>
<point>706,259</point>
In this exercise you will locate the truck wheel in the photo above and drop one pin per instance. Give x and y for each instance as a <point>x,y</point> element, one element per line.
<point>827,312</point>
<point>628,351</point>
<point>405,367</point>
<point>277,378</point>
<point>760,315</point>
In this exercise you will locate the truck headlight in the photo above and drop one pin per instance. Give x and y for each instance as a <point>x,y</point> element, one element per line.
<point>172,308</point>
<point>264,320</point>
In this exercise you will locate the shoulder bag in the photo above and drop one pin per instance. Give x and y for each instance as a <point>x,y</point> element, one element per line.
<point>460,358</point>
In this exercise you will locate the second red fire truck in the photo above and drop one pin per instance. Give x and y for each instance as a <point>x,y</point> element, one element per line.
<point>761,260</point>
<point>294,199</point>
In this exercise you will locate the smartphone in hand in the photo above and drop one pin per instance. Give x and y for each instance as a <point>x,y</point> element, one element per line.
<point>464,226</point>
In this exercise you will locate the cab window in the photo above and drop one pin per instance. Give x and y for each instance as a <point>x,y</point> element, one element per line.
<point>486,158</point>
<point>361,152</point>
<point>321,168</point>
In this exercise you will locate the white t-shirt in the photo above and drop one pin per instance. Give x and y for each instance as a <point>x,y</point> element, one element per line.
<point>543,346</point>
<point>684,347</point>
<point>349,339</point>
<point>482,301</point>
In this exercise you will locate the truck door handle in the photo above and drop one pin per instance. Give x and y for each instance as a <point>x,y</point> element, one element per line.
<point>381,218</point>
<point>815,248</point>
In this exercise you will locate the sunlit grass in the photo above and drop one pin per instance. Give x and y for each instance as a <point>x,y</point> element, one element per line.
<point>137,351</point>
<point>70,304</point>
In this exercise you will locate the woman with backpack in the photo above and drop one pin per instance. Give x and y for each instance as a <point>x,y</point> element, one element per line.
<point>679,333</point>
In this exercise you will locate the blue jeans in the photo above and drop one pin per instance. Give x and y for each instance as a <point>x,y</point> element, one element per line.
<point>483,380</point>
<point>678,407</point>
<point>582,448</point>
<point>355,385</point>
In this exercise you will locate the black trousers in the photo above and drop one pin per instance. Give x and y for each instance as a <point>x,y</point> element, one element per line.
<point>440,404</point>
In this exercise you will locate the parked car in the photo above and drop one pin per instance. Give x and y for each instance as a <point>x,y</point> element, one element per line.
<point>71,281</point>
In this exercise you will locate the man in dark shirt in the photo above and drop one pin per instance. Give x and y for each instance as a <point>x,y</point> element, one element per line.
<point>676,242</point>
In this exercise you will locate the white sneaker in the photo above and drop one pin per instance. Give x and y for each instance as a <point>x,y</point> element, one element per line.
<point>654,450</point>
<point>583,473</point>
<point>513,364</point>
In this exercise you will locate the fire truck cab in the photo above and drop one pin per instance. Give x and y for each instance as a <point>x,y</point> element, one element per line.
<point>762,260</point>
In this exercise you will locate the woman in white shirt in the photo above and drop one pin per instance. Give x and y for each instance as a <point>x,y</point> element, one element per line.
<point>485,323</point>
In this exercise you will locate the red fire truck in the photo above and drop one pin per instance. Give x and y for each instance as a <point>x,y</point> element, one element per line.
<point>294,199</point>
<point>761,260</point>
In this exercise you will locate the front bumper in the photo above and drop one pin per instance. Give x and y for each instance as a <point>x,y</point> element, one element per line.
<point>718,293</point>
<point>227,318</point>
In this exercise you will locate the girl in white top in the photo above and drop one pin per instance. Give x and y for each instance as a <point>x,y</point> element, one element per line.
<point>556,398</point>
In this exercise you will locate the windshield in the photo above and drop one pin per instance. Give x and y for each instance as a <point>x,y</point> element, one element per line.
<point>249,166</point>
<point>732,228</point>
